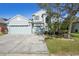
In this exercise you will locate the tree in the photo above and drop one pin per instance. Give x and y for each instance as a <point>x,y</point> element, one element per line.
<point>51,13</point>
<point>71,10</point>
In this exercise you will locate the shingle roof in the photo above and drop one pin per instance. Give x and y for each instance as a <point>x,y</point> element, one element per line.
<point>3,20</point>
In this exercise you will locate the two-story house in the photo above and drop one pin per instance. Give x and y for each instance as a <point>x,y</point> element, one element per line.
<point>39,21</point>
<point>22,25</point>
<point>39,24</point>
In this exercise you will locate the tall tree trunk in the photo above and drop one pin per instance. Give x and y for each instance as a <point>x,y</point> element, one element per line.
<point>69,30</point>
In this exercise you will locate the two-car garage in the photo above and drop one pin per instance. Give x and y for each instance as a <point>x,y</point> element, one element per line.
<point>19,25</point>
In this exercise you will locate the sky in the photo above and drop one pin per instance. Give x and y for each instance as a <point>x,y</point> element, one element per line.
<point>8,10</point>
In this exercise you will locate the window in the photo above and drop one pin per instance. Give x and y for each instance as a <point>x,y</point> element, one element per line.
<point>36,17</point>
<point>44,15</point>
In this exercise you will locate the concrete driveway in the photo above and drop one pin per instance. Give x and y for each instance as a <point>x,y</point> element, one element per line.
<point>22,45</point>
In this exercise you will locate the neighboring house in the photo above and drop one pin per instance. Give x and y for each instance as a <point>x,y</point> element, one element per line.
<point>19,25</point>
<point>75,25</point>
<point>3,25</point>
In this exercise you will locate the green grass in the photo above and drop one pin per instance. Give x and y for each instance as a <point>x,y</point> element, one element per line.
<point>75,35</point>
<point>63,47</point>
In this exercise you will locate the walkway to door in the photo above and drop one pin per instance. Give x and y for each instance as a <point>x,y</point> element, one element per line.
<point>22,45</point>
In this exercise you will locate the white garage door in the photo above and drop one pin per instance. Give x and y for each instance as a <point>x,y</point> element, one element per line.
<point>19,29</point>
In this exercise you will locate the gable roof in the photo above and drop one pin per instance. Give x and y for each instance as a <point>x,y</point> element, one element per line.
<point>18,19</point>
<point>18,16</point>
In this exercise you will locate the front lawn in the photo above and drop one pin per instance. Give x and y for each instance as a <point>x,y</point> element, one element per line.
<point>57,46</point>
<point>75,35</point>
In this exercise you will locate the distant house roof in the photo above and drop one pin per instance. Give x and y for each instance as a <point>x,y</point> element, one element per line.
<point>3,20</point>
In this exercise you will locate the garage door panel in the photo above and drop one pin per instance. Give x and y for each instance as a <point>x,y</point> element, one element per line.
<point>20,30</point>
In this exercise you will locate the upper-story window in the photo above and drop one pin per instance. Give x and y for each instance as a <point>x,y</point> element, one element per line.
<point>36,17</point>
<point>44,15</point>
